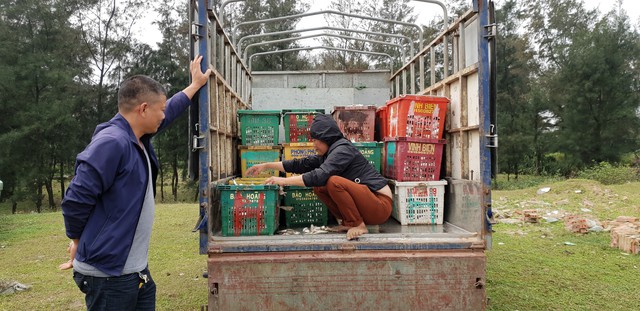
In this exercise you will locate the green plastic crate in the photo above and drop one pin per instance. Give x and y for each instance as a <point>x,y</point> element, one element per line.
<point>372,151</point>
<point>297,124</point>
<point>259,127</point>
<point>249,210</point>
<point>307,207</point>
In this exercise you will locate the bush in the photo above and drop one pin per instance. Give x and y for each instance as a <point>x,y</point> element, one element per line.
<point>608,174</point>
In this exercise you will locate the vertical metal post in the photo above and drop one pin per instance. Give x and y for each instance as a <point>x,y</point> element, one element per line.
<point>484,94</point>
<point>203,129</point>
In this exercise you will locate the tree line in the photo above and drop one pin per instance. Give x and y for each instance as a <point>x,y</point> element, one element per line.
<point>568,78</point>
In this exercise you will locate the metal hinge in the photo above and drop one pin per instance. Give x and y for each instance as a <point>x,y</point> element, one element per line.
<point>195,31</point>
<point>490,31</point>
<point>492,137</point>
<point>197,140</point>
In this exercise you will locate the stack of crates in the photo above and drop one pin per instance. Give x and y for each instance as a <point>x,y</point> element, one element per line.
<point>303,206</point>
<point>412,128</point>
<point>248,207</point>
<point>358,124</point>
<point>260,130</point>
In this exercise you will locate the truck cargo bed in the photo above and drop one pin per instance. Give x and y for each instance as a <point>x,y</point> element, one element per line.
<point>392,236</point>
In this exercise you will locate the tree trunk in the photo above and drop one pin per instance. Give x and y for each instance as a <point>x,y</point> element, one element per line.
<point>49,186</point>
<point>174,178</point>
<point>39,197</point>
<point>61,180</point>
<point>14,207</point>
<point>161,173</point>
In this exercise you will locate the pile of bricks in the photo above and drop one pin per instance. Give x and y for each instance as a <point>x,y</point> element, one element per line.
<point>530,216</point>
<point>625,234</point>
<point>576,224</point>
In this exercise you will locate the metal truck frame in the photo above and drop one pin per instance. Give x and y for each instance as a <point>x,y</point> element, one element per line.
<point>407,267</point>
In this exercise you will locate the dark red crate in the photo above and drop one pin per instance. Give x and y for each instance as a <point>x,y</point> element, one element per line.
<point>357,123</point>
<point>412,159</point>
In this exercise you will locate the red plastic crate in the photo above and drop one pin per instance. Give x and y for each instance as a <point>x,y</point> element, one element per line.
<point>413,159</point>
<point>417,116</point>
<point>357,123</point>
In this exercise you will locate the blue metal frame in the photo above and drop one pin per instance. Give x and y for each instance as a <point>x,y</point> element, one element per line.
<point>484,71</point>
<point>484,93</point>
<point>203,101</point>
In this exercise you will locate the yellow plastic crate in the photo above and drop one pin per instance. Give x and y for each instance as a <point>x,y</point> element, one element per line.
<point>252,155</point>
<point>296,151</point>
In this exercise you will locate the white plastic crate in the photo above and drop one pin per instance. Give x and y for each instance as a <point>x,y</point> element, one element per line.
<point>418,202</point>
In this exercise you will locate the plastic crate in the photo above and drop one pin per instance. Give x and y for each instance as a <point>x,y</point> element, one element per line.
<point>357,123</point>
<point>297,124</point>
<point>307,207</point>
<point>296,151</point>
<point>252,155</point>
<point>412,159</point>
<point>259,127</point>
<point>372,151</point>
<point>417,116</point>
<point>247,181</point>
<point>381,123</point>
<point>418,202</point>
<point>249,210</point>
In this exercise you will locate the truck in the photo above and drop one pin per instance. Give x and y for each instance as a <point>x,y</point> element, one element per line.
<point>417,267</point>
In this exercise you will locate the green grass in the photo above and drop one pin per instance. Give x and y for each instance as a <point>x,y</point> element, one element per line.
<point>33,245</point>
<point>529,267</point>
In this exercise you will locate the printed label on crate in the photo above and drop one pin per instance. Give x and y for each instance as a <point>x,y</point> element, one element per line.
<point>303,195</point>
<point>422,192</point>
<point>367,151</point>
<point>302,153</point>
<point>422,148</point>
<point>424,108</point>
<point>259,119</point>
<point>301,117</point>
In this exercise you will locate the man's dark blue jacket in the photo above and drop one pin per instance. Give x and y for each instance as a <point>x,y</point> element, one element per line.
<point>103,202</point>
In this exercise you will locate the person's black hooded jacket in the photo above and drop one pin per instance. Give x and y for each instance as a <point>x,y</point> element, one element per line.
<point>342,159</point>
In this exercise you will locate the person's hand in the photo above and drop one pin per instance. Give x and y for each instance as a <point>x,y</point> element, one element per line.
<point>275,181</point>
<point>256,169</point>
<point>71,249</point>
<point>198,78</point>
<point>66,266</point>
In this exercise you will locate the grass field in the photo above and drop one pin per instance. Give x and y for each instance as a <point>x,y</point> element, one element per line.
<point>33,245</point>
<point>529,267</point>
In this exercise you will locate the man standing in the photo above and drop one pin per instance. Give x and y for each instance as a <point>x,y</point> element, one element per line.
<point>109,205</point>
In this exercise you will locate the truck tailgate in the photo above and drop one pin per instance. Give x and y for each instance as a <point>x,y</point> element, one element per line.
<point>348,280</point>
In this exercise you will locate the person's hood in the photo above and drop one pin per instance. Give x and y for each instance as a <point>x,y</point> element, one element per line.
<point>326,129</point>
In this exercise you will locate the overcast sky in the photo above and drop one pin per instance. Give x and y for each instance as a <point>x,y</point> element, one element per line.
<point>149,34</point>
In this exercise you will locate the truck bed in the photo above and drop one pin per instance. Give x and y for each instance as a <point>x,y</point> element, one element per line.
<point>392,236</point>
